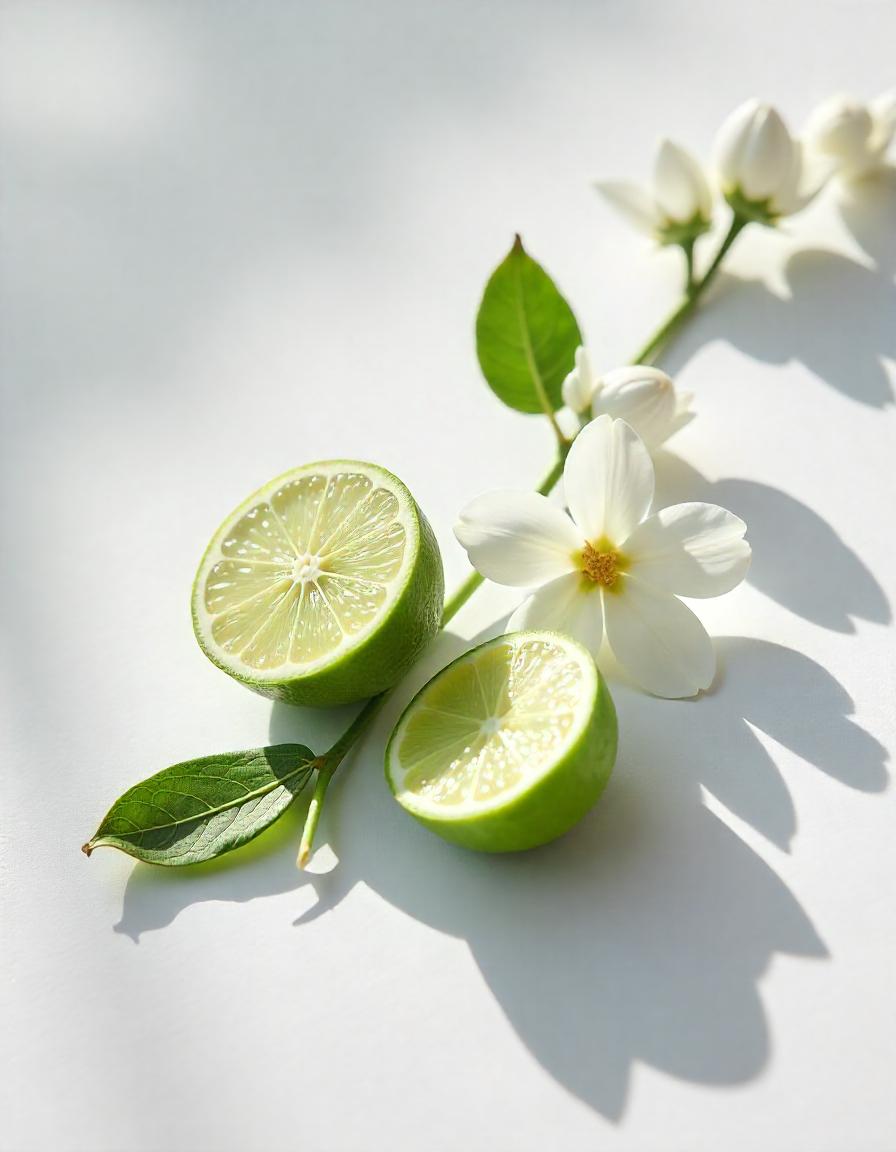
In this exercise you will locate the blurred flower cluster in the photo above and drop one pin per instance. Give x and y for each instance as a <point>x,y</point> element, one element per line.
<point>761,169</point>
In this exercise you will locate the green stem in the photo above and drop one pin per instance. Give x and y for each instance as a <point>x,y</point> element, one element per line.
<point>324,776</point>
<point>673,323</point>
<point>690,281</point>
<point>461,595</point>
<point>558,432</point>
<point>329,762</point>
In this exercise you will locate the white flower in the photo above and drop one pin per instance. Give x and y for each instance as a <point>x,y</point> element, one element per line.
<point>643,396</point>
<point>855,136</point>
<point>676,207</point>
<point>762,169</point>
<point>609,570</point>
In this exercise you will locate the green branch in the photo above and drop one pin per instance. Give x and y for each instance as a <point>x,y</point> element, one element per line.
<point>693,294</point>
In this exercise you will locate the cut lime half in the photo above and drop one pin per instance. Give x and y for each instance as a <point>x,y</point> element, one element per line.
<point>323,587</point>
<point>507,747</point>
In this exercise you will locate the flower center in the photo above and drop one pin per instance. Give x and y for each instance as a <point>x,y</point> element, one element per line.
<point>600,566</point>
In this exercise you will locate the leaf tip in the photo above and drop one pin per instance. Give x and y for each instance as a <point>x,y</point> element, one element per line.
<point>517,243</point>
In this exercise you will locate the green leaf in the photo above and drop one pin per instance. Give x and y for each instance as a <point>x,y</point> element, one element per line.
<point>526,335</point>
<point>202,808</point>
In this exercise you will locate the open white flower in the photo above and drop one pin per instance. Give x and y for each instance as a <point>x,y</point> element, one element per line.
<point>854,135</point>
<point>763,171</point>
<point>608,570</point>
<point>677,206</point>
<point>642,396</point>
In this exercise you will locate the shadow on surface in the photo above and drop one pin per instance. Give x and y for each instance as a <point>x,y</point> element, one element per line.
<point>868,210</point>
<point>156,896</point>
<point>639,937</point>
<point>838,316</point>
<point>642,935</point>
<point>798,559</point>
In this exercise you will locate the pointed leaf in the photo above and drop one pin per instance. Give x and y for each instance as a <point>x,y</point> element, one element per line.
<point>526,335</point>
<point>202,808</point>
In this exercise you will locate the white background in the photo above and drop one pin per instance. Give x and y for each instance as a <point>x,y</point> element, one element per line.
<point>240,236</point>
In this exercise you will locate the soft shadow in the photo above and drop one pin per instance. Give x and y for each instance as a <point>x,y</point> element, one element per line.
<point>868,209</point>
<point>642,935</point>
<point>639,937</point>
<point>837,316</point>
<point>798,559</point>
<point>838,320</point>
<point>154,896</point>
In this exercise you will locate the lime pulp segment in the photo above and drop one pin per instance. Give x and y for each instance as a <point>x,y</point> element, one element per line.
<point>491,724</point>
<point>304,571</point>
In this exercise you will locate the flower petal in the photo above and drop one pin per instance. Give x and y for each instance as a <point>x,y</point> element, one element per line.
<point>808,174</point>
<point>683,413</point>
<point>518,538</point>
<point>569,604</point>
<point>679,185</point>
<point>608,479</point>
<point>632,202</point>
<point>578,387</point>
<point>883,112</point>
<point>691,550</point>
<point>643,397</point>
<point>768,155</point>
<point>658,640</point>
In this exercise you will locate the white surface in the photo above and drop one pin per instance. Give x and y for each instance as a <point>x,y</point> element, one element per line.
<point>241,236</point>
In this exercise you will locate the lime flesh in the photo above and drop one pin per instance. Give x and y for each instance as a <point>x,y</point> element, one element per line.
<point>323,587</point>
<point>507,747</point>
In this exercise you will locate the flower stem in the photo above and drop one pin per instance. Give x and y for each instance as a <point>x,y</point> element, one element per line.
<point>690,280</point>
<point>670,326</point>
<point>460,596</point>
<point>329,762</point>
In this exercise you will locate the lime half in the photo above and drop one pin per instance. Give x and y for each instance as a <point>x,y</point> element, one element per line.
<point>323,587</point>
<point>507,747</point>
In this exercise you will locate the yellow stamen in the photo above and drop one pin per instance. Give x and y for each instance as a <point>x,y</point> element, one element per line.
<point>600,566</point>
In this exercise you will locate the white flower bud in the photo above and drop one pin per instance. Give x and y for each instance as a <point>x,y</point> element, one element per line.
<point>754,151</point>
<point>760,165</point>
<point>578,387</point>
<point>855,136</point>
<point>645,398</point>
